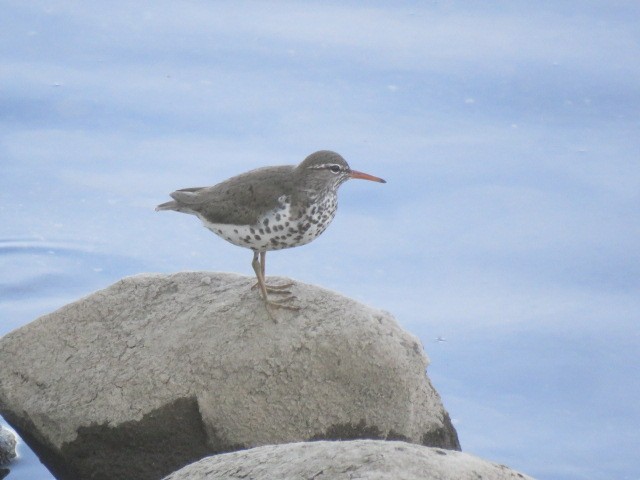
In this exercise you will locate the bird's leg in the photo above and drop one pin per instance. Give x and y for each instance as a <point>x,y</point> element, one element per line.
<point>270,288</point>
<point>259,275</point>
<point>257,267</point>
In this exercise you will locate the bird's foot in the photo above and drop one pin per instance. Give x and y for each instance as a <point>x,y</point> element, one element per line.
<point>282,289</point>
<point>281,304</point>
<point>271,305</point>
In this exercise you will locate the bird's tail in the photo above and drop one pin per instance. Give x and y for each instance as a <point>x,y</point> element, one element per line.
<point>172,205</point>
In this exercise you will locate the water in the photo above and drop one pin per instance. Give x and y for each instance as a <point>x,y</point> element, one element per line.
<point>26,465</point>
<point>509,135</point>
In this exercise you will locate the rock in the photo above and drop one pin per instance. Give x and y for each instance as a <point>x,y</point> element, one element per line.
<point>157,371</point>
<point>345,460</point>
<point>7,446</point>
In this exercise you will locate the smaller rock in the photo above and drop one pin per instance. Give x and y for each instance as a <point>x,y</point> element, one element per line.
<point>7,446</point>
<point>342,460</point>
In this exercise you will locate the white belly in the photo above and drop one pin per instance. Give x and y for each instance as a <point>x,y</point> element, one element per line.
<point>277,230</point>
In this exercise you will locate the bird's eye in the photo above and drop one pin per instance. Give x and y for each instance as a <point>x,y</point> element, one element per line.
<point>335,168</point>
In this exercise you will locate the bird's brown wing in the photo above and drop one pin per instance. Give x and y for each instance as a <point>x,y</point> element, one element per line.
<point>239,200</point>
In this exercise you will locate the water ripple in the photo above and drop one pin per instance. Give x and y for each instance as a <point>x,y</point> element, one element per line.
<point>34,268</point>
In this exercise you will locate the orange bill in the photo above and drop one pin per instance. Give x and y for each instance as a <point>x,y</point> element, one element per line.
<point>366,176</point>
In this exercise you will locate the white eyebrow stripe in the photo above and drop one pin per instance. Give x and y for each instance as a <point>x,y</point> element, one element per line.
<point>326,165</point>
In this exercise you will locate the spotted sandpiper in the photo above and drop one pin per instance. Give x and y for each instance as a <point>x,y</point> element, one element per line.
<point>271,208</point>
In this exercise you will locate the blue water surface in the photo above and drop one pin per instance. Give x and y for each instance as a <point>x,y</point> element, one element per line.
<point>507,237</point>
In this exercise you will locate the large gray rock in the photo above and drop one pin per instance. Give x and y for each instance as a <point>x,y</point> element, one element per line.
<point>157,371</point>
<point>365,459</point>
<point>7,446</point>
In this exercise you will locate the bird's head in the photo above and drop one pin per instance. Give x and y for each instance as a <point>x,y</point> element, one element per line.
<point>328,170</point>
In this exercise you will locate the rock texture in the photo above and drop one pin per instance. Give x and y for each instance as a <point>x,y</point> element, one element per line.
<point>7,446</point>
<point>156,371</point>
<point>365,459</point>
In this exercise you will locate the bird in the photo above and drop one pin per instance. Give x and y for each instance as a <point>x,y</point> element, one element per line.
<point>271,208</point>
